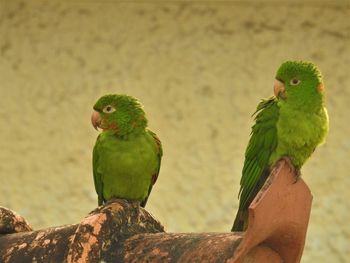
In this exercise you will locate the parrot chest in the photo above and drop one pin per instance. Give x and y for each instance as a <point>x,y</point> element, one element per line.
<point>299,133</point>
<point>126,167</point>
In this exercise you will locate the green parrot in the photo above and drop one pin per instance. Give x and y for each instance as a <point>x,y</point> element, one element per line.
<point>288,125</point>
<point>127,155</point>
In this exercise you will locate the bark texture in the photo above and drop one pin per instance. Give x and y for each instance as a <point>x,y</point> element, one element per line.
<point>99,236</point>
<point>119,231</point>
<point>10,222</point>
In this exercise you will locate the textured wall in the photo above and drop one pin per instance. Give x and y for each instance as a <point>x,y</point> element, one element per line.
<point>199,68</point>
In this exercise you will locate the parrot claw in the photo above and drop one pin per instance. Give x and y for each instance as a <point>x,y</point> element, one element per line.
<point>293,169</point>
<point>297,175</point>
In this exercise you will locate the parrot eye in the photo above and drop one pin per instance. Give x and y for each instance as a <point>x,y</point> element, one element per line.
<point>108,109</point>
<point>295,82</point>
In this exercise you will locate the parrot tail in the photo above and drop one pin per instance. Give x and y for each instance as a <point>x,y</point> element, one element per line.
<point>100,200</point>
<point>241,221</point>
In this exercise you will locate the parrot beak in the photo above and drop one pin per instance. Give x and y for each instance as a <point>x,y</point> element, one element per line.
<point>96,120</point>
<point>279,89</point>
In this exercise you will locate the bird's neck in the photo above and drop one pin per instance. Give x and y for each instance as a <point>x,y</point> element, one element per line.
<point>135,132</point>
<point>313,105</point>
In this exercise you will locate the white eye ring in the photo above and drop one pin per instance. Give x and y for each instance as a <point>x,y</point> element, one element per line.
<point>108,109</point>
<point>295,82</point>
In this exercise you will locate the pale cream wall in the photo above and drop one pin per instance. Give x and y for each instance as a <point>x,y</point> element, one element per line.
<point>200,68</point>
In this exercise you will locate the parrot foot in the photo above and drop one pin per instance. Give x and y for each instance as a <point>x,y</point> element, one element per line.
<point>293,169</point>
<point>297,174</point>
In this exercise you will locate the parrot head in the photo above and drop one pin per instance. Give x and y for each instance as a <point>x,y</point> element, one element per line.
<point>121,114</point>
<point>299,83</point>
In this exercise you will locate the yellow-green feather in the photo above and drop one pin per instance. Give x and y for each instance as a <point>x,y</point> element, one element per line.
<point>124,168</point>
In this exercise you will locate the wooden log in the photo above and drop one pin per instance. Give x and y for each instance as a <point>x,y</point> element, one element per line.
<point>97,237</point>
<point>121,231</point>
<point>10,222</point>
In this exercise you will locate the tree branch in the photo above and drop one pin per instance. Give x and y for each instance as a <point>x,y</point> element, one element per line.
<point>122,231</point>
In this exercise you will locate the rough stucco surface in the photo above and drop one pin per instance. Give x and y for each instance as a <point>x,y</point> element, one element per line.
<point>200,68</point>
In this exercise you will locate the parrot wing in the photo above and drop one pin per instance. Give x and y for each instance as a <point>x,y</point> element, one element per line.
<point>155,176</point>
<point>262,144</point>
<point>97,176</point>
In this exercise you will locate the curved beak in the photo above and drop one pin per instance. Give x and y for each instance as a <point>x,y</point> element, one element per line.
<point>279,89</point>
<point>96,120</point>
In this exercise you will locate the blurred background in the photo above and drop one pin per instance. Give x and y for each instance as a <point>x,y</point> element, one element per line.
<point>199,68</point>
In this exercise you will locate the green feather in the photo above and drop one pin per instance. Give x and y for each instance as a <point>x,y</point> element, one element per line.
<point>262,143</point>
<point>97,175</point>
<point>259,148</point>
<point>155,176</point>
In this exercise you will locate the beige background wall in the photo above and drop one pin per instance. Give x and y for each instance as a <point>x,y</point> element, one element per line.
<point>200,68</point>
